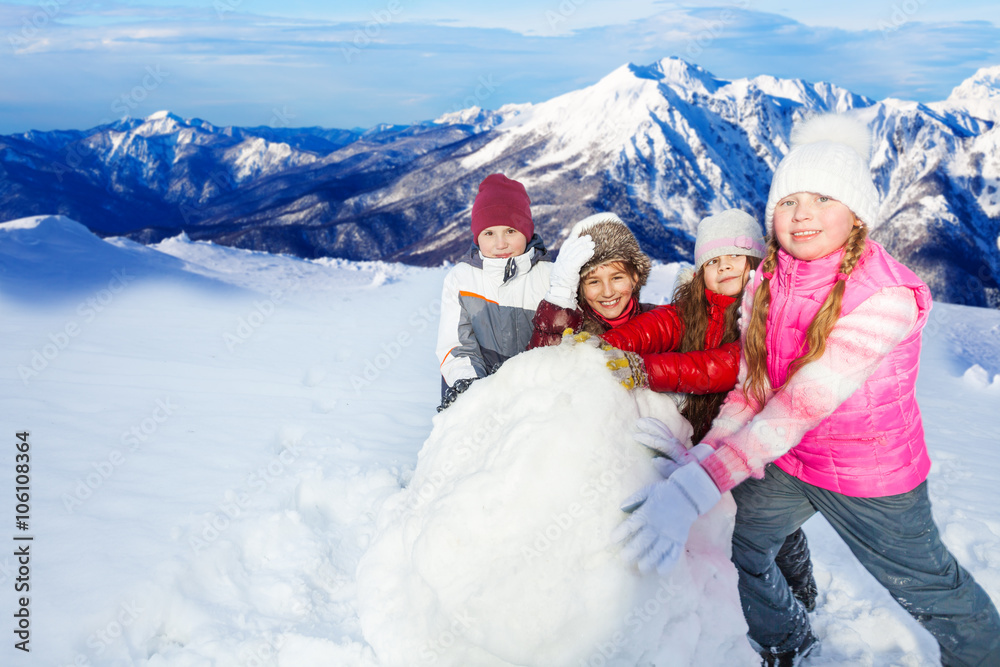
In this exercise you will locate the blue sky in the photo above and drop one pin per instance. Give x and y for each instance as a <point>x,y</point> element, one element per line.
<point>72,64</point>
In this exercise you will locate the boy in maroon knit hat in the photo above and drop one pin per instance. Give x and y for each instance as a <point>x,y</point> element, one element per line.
<point>490,296</point>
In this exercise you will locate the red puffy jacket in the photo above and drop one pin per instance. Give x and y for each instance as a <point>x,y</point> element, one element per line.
<point>551,320</point>
<point>657,334</point>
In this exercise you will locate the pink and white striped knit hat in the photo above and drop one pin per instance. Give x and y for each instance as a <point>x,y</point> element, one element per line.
<point>732,232</point>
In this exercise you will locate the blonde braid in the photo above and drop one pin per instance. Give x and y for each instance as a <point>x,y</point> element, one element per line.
<point>755,348</point>
<point>829,312</point>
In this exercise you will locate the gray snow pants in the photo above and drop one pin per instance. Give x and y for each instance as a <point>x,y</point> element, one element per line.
<point>894,537</point>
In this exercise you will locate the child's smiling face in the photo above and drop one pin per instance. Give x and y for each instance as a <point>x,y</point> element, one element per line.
<point>810,225</point>
<point>501,242</point>
<point>608,289</point>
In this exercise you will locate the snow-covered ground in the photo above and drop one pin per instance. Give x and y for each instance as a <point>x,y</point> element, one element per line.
<point>213,433</point>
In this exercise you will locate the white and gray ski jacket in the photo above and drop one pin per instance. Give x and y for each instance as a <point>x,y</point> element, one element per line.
<point>487,306</point>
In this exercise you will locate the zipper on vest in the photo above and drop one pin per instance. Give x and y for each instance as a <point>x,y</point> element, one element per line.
<point>780,319</point>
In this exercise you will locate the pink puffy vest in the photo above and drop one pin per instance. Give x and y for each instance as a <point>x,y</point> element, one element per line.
<point>873,444</point>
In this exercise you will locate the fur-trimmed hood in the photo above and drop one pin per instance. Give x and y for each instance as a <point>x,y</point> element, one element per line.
<point>613,241</point>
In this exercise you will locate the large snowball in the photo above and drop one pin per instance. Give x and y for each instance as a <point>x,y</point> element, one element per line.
<point>497,552</point>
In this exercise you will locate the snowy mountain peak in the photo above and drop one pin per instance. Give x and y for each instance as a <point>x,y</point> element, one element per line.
<point>468,116</point>
<point>481,119</point>
<point>603,116</point>
<point>679,72</point>
<point>161,115</point>
<point>160,123</point>
<point>984,84</point>
<point>978,96</point>
<point>680,75</point>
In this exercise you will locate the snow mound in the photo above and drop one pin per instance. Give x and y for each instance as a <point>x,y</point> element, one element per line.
<point>497,552</point>
<point>52,256</point>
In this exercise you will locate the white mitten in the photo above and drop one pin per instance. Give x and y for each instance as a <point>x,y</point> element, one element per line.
<point>565,277</point>
<point>654,434</point>
<point>662,514</point>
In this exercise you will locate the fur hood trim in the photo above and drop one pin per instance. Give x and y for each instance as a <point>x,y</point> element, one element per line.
<point>613,242</point>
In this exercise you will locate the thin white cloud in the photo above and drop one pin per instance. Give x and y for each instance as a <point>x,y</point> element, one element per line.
<point>234,67</point>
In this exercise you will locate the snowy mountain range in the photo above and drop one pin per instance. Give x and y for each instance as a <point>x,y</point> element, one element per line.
<point>661,145</point>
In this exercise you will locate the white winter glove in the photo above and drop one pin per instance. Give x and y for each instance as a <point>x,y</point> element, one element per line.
<point>565,276</point>
<point>654,434</point>
<point>662,514</point>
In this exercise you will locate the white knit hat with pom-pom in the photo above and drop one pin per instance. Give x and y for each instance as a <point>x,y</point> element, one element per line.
<point>831,156</point>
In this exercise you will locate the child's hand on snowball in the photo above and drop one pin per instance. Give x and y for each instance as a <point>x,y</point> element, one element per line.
<point>661,516</point>
<point>627,367</point>
<point>654,434</point>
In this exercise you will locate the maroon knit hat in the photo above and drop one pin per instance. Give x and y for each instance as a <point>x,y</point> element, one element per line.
<point>502,201</point>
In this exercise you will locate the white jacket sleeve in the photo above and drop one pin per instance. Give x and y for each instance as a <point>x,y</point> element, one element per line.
<point>454,333</point>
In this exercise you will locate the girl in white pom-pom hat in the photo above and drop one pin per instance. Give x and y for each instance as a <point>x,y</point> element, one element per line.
<point>826,419</point>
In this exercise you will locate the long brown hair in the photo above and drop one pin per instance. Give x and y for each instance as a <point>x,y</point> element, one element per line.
<point>692,307</point>
<point>755,350</point>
